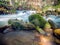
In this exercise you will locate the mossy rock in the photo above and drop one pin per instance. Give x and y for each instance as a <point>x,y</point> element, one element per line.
<point>22,26</point>
<point>37,20</point>
<point>57,31</point>
<point>57,36</point>
<point>17,25</point>
<point>10,21</point>
<point>47,25</point>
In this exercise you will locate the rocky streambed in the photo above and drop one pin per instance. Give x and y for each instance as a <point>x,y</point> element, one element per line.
<point>25,38</point>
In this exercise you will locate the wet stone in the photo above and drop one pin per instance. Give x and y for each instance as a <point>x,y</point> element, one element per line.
<point>20,38</point>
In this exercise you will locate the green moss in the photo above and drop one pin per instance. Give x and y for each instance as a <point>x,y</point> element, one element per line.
<point>40,30</point>
<point>57,6</point>
<point>37,20</point>
<point>47,25</point>
<point>46,8</point>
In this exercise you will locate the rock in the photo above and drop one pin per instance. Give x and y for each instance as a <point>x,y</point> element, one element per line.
<point>57,31</point>
<point>22,26</point>
<point>53,25</point>
<point>3,28</point>
<point>20,38</point>
<point>7,30</point>
<point>1,38</point>
<point>57,36</point>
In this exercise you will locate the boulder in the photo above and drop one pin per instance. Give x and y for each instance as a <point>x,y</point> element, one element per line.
<point>1,38</point>
<point>20,38</point>
<point>57,36</point>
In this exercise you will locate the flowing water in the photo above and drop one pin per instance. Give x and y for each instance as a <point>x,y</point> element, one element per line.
<point>20,15</point>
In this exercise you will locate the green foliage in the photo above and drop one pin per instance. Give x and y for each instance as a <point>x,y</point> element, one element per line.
<point>58,1</point>
<point>45,8</point>
<point>12,11</point>
<point>57,6</point>
<point>16,5</point>
<point>5,3</point>
<point>37,20</point>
